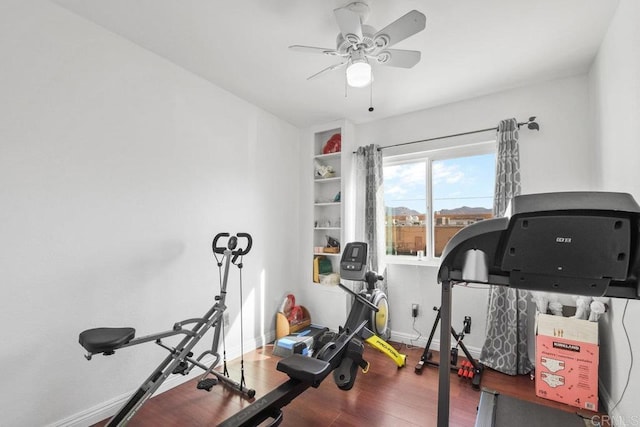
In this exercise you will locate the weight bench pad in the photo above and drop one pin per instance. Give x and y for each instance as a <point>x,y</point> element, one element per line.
<point>303,368</point>
<point>105,340</point>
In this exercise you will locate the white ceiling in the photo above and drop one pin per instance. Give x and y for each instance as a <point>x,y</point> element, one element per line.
<point>469,48</point>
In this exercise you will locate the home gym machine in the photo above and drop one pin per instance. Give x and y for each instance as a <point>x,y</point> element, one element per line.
<point>470,368</point>
<point>180,359</point>
<point>583,243</point>
<point>378,320</point>
<point>352,265</point>
<point>340,353</point>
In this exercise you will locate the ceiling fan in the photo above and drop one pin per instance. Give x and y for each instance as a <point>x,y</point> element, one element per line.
<point>360,45</point>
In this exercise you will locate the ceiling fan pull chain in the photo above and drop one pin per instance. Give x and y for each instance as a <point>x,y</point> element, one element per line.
<point>371,96</point>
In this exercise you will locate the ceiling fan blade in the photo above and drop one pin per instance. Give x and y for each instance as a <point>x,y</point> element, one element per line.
<point>349,24</point>
<point>313,49</point>
<point>403,27</point>
<point>398,58</point>
<point>331,68</point>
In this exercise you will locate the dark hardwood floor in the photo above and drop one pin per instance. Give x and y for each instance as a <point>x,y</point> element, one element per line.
<point>385,396</point>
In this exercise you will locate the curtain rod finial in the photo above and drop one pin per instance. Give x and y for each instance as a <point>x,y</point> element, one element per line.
<point>531,124</point>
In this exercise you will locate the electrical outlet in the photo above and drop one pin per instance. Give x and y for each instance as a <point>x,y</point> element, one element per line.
<point>225,319</point>
<point>414,310</point>
<point>467,324</point>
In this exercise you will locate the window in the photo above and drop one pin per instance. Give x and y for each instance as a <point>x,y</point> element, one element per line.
<point>430,196</point>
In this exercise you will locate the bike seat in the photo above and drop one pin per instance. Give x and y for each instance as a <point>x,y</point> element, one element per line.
<point>304,368</point>
<point>105,340</point>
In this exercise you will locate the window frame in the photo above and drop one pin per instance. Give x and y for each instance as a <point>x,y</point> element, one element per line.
<point>429,156</point>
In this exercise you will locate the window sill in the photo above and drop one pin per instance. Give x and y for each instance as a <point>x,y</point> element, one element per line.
<point>412,260</point>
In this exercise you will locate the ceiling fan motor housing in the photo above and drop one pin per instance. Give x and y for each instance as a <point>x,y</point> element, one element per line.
<point>369,43</point>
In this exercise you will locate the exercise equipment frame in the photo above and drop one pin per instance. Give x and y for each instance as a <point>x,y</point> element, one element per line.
<point>425,359</point>
<point>584,243</point>
<point>180,359</point>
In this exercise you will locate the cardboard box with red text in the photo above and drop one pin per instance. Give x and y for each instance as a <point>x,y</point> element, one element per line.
<point>567,357</point>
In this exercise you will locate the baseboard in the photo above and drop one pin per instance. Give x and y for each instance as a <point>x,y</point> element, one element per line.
<point>606,401</point>
<point>410,340</point>
<point>108,408</point>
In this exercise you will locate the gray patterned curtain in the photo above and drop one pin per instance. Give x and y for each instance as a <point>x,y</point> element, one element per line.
<point>505,347</point>
<point>370,213</point>
<point>370,204</point>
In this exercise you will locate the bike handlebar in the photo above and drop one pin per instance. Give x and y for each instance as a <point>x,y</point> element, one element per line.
<point>232,244</point>
<point>360,298</point>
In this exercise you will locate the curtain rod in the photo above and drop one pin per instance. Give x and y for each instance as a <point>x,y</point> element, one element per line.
<point>531,124</point>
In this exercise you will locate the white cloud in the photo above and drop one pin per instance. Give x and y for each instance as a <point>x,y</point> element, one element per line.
<point>395,190</point>
<point>409,173</point>
<point>450,174</point>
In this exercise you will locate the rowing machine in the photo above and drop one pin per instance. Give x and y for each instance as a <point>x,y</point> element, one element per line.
<point>339,353</point>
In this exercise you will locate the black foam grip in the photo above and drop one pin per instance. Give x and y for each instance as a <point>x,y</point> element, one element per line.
<point>249,239</point>
<point>218,249</point>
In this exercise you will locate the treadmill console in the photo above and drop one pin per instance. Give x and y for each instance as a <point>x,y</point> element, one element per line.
<point>354,261</point>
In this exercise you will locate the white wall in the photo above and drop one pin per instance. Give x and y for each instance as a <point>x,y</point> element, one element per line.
<point>116,170</point>
<point>615,87</point>
<point>557,158</point>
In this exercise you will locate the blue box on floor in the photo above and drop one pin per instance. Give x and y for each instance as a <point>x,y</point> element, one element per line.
<point>301,342</point>
<point>292,344</point>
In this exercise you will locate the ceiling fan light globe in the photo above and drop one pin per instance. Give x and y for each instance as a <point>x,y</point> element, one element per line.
<point>359,74</point>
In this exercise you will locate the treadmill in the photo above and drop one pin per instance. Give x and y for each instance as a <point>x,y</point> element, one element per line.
<point>583,243</point>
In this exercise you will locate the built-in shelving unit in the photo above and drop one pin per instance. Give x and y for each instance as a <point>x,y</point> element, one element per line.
<point>328,211</point>
<point>326,215</point>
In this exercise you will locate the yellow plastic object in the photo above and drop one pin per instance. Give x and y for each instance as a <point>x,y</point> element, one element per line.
<point>386,348</point>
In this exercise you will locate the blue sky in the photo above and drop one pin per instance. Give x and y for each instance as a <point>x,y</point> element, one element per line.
<point>462,181</point>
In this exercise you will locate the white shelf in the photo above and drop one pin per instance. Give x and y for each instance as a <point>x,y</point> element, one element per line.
<point>328,156</point>
<point>326,211</point>
<point>328,304</point>
<point>325,180</point>
<point>328,254</point>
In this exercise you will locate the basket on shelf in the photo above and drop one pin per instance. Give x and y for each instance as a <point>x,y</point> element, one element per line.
<point>333,246</point>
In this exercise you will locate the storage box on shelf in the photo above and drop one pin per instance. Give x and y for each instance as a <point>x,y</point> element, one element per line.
<point>327,210</point>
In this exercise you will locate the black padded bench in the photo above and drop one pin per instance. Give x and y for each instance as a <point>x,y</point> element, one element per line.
<point>305,369</point>
<point>105,340</point>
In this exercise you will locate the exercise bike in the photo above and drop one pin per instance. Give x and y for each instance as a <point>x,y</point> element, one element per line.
<point>378,320</point>
<point>180,359</point>
<point>340,353</point>
<point>367,305</point>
